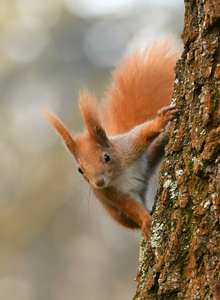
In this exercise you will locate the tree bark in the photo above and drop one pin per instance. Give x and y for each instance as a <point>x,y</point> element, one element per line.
<point>182,258</point>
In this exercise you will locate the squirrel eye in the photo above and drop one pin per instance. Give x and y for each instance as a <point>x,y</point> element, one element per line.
<point>80,171</point>
<point>107,158</point>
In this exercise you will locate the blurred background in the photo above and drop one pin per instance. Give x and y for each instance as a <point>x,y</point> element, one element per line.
<point>56,242</point>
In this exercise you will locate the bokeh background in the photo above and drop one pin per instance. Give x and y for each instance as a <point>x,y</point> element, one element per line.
<point>55,241</point>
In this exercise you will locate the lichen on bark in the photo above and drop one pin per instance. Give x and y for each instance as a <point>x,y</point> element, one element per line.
<point>182,258</point>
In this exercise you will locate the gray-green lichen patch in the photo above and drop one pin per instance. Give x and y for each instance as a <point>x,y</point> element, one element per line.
<point>179,173</point>
<point>202,133</point>
<point>173,101</point>
<point>173,188</point>
<point>156,234</point>
<point>142,252</point>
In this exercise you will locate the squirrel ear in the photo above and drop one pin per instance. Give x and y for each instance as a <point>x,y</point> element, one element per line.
<point>91,117</point>
<point>100,136</point>
<point>61,129</point>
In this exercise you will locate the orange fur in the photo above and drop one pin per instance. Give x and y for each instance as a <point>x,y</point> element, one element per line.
<point>141,86</point>
<point>126,133</point>
<point>61,130</point>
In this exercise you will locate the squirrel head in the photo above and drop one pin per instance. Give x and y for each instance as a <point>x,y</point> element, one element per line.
<point>98,159</point>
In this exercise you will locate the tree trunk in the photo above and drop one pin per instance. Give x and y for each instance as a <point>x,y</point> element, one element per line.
<point>182,258</point>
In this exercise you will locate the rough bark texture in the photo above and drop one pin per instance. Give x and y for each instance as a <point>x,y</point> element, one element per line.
<point>182,258</point>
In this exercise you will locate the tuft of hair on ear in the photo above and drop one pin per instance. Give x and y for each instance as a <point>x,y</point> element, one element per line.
<point>91,116</point>
<point>61,129</point>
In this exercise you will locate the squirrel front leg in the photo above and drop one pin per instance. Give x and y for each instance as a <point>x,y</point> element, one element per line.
<point>150,129</point>
<point>142,135</point>
<point>125,210</point>
<point>136,212</point>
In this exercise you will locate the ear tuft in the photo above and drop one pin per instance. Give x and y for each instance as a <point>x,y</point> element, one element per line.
<point>91,116</point>
<point>61,129</point>
<point>89,110</point>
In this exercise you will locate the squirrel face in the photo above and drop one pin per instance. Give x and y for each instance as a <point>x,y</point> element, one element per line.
<point>99,165</point>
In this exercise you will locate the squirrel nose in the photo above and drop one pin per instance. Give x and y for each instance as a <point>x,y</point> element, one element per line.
<point>99,182</point>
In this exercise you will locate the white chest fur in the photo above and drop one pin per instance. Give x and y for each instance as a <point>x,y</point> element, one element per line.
<point>134,180</point>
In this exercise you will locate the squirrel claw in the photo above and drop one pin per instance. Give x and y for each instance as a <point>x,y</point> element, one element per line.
<point>166,114</point>
<point>168,110</point>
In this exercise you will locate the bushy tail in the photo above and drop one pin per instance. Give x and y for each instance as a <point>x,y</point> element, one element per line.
<point>141,86</point>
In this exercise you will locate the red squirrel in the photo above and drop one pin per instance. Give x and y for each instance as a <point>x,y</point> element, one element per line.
<point>124,139</point>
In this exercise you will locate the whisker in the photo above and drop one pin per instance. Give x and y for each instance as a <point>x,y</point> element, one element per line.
<point>65,200</point>
<point>88,196</point>
<point>75,189</point>
<point>91,200</point>
<point>62,187</point>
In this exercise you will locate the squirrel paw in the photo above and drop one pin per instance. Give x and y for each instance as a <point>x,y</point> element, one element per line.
<point>146,226</point>
<point>166,114</point>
